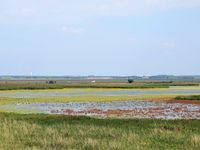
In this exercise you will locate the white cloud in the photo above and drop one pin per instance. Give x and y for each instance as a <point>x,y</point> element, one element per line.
<point>64,11</point>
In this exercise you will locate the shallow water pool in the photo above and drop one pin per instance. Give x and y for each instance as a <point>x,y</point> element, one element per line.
<point>54,93</point>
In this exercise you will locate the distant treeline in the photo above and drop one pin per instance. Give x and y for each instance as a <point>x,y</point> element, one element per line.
<point>156,77</point>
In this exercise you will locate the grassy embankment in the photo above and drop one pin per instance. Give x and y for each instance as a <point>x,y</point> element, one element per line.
<point>62,132</point>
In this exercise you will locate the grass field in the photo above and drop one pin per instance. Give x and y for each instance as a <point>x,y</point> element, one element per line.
<point>33,85</point>
<point>88,98</point>
<point>62,132</point>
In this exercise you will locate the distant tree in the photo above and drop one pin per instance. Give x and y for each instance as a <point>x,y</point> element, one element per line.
<point>51,82</point>
<point>130,80</point>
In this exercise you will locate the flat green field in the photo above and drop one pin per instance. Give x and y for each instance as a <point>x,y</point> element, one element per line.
<point>33,85</point>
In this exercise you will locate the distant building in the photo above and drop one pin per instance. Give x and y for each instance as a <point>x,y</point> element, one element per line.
<point>93,81</point>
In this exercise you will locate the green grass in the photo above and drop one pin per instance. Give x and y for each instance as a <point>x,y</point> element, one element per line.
<point>190,97</point>
<point>48,132</point>
<point>14,85</point>
<point>34,86</point>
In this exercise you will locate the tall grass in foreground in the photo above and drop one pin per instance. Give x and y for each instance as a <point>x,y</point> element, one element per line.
<point>48,132</point>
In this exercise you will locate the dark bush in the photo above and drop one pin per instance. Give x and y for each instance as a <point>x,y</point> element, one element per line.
<point>130,80</point>
<point>51,82</point>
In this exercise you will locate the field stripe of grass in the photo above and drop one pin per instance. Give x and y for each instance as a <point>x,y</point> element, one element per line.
<point>190,97</point>
<point>84,98</point>
<point>48,132</point>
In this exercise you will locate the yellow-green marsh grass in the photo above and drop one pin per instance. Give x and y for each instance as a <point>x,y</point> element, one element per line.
<point>96,89</point>
<point>89,98</point>
<point>84,98</point>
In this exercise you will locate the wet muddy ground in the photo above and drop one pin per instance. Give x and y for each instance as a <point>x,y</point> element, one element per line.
<point>123,109</point>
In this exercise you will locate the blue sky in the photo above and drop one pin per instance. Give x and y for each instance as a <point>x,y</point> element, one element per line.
<point>93,37</point>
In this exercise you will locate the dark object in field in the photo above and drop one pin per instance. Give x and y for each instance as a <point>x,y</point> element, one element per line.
<point>167,82</point>
<point>130,80</point>
<point>51,82</point>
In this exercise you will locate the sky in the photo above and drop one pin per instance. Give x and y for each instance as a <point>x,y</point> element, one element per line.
<point>99,37</point>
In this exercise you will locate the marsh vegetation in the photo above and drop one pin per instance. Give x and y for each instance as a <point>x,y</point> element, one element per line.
<point>65,132</point>
<point>190,97</point>
<point>42,131</point>
<point>33,85</point>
